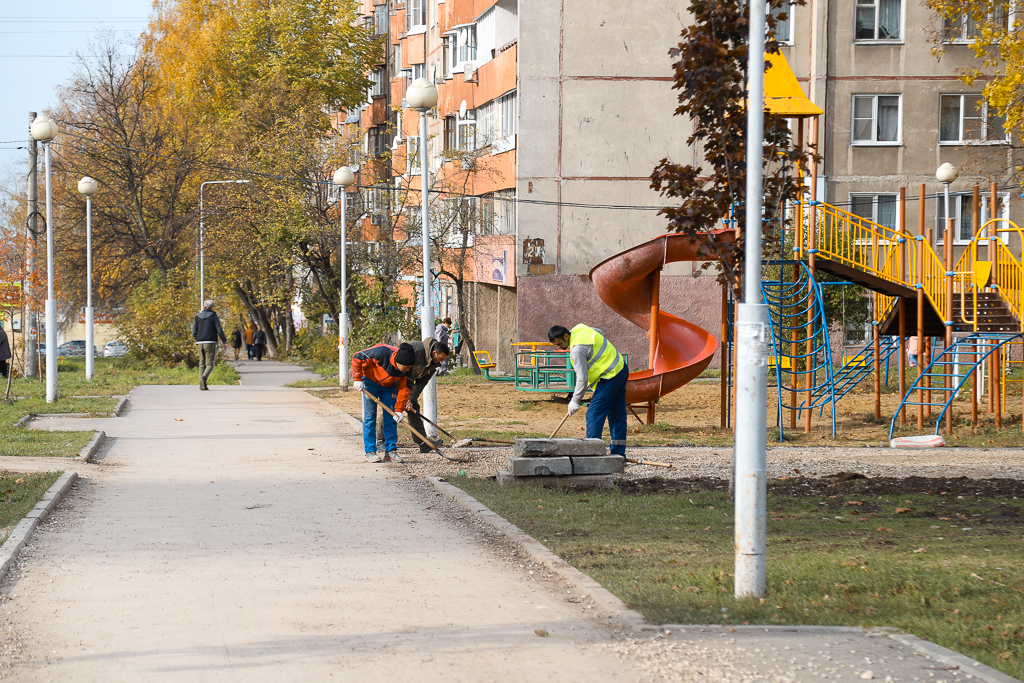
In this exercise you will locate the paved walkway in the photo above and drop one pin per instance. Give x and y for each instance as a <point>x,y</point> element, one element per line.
<point>238,535</point>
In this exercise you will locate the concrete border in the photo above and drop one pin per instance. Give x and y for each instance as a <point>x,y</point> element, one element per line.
<point>27,526</point>
<point>540,553</point>
<point>89,449</point>
<point>610,602</point>
<point>120,405</point>
<point>23,421</point>
<point>354,423</point>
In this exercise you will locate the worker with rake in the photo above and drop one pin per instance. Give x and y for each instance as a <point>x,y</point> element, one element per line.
<point>598,365</point>
<point>430,357</point>
<point>382,372</point>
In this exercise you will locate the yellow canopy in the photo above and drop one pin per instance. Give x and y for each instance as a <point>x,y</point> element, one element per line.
<point>783,95</point>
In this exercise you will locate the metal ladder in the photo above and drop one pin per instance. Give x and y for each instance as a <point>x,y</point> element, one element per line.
<point>861,365</point>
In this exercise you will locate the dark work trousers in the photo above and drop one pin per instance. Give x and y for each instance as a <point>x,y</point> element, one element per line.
<point>609,401</point>
<point>257,350</point>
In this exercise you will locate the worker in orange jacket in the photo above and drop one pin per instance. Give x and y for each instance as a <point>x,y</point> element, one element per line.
<point>381,371</point>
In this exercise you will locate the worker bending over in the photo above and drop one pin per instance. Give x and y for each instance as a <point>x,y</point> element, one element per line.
<point>424,368</point>
<point>381,371</point>
<point>598,365</point>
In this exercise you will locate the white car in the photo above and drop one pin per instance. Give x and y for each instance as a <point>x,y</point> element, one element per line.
<point>113,349</point>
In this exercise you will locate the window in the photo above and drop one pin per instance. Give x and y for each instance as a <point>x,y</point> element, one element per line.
<point>380,20</point>
<point>506,125</point>
<point>397,52</point>
<point>876,119</point>
<point>505,212</point>
<point>450,141</point>
<point>415,14</point>
<point>966,29</point>
<point>968,119</point>
<point>878,208</point>
<point>461,47</point>
<point>783,26</point>
<point>961,209</point>
<point>412,154</point>
<point>466,132</point>
<point>878,20</point>
<point>446,57</point>
<point>379,79</point>
<point>377,141</point>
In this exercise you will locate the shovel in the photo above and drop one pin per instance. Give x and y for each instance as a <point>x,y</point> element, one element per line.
<point>409,427</point>
<point>463,443</point>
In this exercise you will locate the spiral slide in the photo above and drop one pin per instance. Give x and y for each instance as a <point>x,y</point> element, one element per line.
<point>629,284</point>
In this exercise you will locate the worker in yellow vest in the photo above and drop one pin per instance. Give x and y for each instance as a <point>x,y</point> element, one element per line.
<point>598,365</point>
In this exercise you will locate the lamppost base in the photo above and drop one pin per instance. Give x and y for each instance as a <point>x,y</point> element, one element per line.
<point>90,344</point>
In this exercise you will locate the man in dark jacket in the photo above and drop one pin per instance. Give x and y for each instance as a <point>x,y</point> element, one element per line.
<point>259,342</point>
<point>206,329</point>
<point>426,365</point>
<point>381,371</point>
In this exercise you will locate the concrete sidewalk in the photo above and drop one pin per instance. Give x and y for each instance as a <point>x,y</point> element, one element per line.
<point>238,535</point>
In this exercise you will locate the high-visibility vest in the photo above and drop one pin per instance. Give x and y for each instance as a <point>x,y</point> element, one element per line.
<point>606,361</point>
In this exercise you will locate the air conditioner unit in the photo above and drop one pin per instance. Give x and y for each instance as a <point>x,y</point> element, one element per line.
<point>469,71</point>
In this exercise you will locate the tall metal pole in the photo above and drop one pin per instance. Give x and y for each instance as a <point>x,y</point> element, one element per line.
<point>30,327</point>
<point>751,338</point>
<point>90,346</point>
<point>427,316</point>
<point>343,305</point>
<point>51,306</point>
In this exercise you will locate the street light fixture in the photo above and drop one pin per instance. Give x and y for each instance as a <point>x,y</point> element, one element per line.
<point>343,178</point>
<point>946,174</point>
<point>87,186</point>
<point>202,271</point>
<point>422,96</point>
<point>44,130</point>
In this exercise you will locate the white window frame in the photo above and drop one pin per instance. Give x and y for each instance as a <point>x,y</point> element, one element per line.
<point>874,212</point>
<point>963,38</point>
<point>874,121</point>
<point>412,155</point>
<point>468,121</point>
<point>462,47</point>
<point>957,206</point>
<point>379,79</point>
<point>415,21</point>
<point>788,8</point>
<point>875,4</point>
<point>984,139</point>
<point>506,122</point>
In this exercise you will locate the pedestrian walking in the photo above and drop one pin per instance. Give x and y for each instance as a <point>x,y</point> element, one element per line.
<point>259,342</point>
<point>250,332</point>
<point>599,365</point>
<point>431,355</point>
<point>442,330</point>
<point>382,372</point>
<point>206,328</point>
<point>236,341</point>
<point>5,353</point>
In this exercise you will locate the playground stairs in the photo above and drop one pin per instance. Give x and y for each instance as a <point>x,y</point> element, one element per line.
<point>965,353</point>
<point>860,366</point>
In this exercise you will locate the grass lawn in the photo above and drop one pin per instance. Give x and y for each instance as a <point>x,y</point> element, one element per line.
<point>20,494</point>
<point>947,568</point>
<point>112,377</point>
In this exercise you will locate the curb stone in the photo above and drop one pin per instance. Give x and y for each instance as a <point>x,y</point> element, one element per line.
<point>27,526</point>
<point>22,422</point>
<point>120,405</point>
<point>355,424</point>
<point>540,553</point>
<point>947,656</point>
<point>89,449</point>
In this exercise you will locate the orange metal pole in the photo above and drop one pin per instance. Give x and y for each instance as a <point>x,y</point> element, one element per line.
<point>902,348</point>
<point>920,304</point>
<point>975,224</point>
<point>878,358</point>
<point>993,368</point>
<point>947,248</point>
<point>724,408</point>
<point>928,352</point>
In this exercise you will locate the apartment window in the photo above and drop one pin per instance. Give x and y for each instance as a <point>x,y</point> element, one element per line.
<point>506,126</point>
<point>415,14</point>
<point>466,132</point>
<point>397,52</point>
<point>450,141</point>
<point>876,119</point>
<point>380,20</point>
<point>419,71</point>
<point>377,141</point>
<point>966,29</point>
<point>412,154</point>
<point>461,46</point>
<point>961,209</point>
<point>783,24</point>
<point>968,119</point>
<point>379,78</point>
<point>877,208</point>
<point>446,57</point>
<point>505,212</point>
<point>878,19</point>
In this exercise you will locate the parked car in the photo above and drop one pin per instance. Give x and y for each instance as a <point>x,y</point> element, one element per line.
<point>113,349</point>
<point>72,348</point>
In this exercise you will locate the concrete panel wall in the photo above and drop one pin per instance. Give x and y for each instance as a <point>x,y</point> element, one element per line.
<point>492,322</point>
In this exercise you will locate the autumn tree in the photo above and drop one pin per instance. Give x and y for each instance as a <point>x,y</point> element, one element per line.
<point>711,77</point>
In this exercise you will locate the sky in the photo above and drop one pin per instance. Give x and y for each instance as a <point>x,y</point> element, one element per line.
<point>37,43</point>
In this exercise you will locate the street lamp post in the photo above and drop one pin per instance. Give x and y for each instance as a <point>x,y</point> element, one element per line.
<point>422,96</point>
<point>343,178</point>
<point>751,348</point>
<point>44,130</point>
<point>202,272</point>
<point>87,186</point>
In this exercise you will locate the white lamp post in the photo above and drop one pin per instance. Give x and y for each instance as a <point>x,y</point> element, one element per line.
<point>946,174</point>
<point>202,272</point>
<point>44,130</point>
<point>88,187</point>
<point>343,178</point>
<point>751,345</point>
<point>422,96</point>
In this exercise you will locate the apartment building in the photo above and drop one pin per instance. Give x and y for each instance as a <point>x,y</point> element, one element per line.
<point>571,105</point>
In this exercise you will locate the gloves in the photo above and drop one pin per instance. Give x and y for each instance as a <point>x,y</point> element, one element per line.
<point>399,417</point>
<point>573,407</point>
<point>358,385</point>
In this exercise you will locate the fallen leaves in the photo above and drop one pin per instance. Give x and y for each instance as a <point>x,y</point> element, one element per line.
<point>883,528</point>
<point>920,550</point>
<point>543,633</point>
<point>901,511</point>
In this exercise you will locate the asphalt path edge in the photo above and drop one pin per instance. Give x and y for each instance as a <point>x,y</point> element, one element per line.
<point>541,554</point>
<point>89,449</point>
<point>355,424</point>
<point>26,527</point>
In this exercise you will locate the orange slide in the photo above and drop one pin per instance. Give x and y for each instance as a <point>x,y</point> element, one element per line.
<point>629,283</point>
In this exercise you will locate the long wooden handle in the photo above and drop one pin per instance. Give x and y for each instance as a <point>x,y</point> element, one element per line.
<point>559,426</point>
<point>648,462</point>
<point>410,428</point>
<point>446,432</point>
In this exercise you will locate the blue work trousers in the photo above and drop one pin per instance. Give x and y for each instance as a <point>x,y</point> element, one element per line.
<point>609,401</point>
<point>387,396</point>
